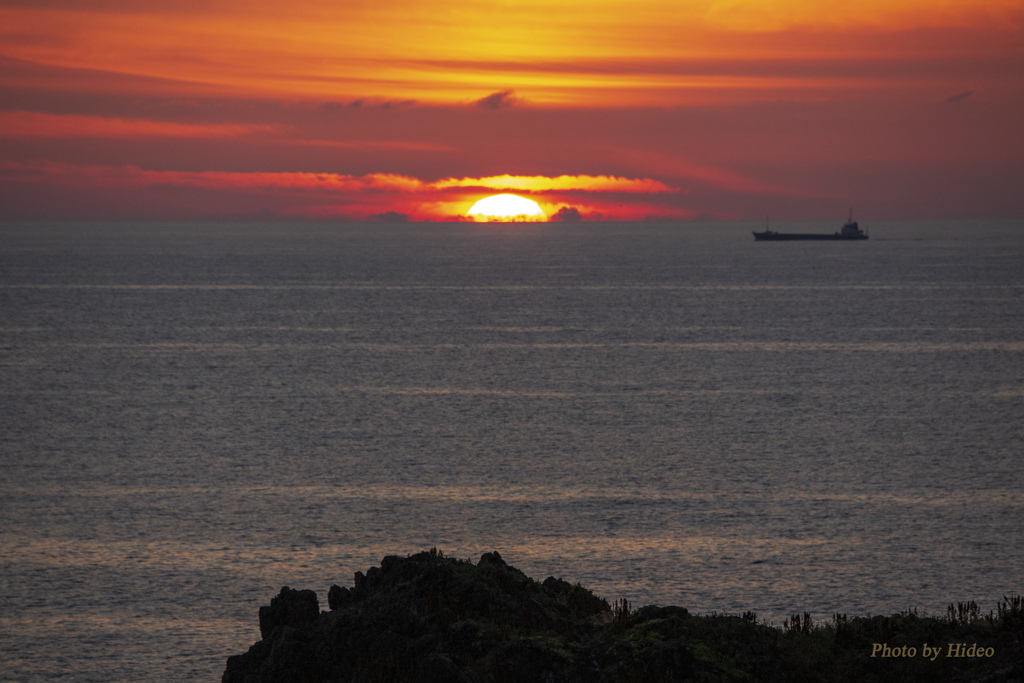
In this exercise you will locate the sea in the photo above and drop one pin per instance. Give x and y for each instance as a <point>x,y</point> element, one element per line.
<point>197,414</point>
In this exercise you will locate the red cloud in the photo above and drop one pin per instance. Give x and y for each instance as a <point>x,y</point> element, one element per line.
<point>20,124</point>
<point>334,194</point>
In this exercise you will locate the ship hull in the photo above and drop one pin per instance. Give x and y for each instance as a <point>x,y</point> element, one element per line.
<point>792,237</point>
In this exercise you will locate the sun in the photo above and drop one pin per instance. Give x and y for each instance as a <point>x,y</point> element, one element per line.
<point>507,207</point>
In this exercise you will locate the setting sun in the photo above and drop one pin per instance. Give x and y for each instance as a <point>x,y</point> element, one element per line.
<point>507,207</point>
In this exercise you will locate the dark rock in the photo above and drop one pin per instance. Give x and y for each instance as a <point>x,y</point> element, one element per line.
<point>531,659</point>
<point>296,608</point>
<point>427,618</point>
<point>494,559</point>
<point>437,668</point>
<point>337,596</point>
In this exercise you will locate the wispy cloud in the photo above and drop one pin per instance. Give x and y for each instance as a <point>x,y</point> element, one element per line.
<point>28,124</point>
<point>611,107</point>
<point>135,176</point>
<point>960,96</point>
<point>678,167</point>
<point>498,100</point>
<point>582,183</point>
<point>374,196</point>
<point>459,51</point>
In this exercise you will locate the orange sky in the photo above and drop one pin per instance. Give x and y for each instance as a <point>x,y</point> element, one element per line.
<point>727,109</point>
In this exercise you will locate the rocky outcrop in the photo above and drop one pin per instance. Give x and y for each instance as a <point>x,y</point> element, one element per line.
<point>293,608</point>
<point>431,619</point>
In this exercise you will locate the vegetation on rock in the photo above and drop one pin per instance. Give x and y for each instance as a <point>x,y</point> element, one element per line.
<point>427,618</point>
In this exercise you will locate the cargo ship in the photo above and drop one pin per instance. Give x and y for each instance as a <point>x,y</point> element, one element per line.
<point>849,231</point>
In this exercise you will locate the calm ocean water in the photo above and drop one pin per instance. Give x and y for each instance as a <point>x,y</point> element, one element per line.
<point>195,415</point>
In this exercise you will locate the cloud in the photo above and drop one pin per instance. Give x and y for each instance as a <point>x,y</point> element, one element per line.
<point>374,196</point>
<point>567,214</point>
<point>674,166</point>
<point>133,176</point>
<point>373,145</point>
<point>960,96</point>
<point>20,124</point>
<point>551,53</point>
<point>565,183</point>
<point>777,15</point>
<point>498,100</point>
